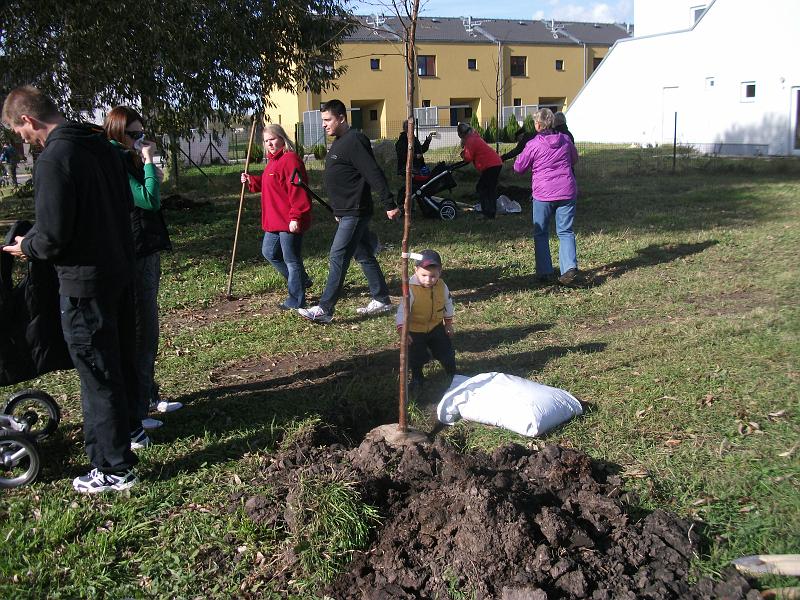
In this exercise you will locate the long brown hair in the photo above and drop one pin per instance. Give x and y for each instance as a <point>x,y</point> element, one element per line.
<point>117,121</point>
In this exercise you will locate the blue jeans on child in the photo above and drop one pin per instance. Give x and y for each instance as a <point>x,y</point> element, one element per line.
<point>352,240</point>
<point>567,253</point>
<point>284,252</point>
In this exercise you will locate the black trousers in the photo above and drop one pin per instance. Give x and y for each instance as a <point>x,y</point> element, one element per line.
<point>487,191</point>
<point>101,336</point>
<point>423,345</point>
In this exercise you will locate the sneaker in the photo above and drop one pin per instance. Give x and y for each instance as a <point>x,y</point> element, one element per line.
<point>375,307</point>
<point>315,313</point>
<point>164,406</point>
<point>96,481</point>
<point>151,423</point>
<point>139,439</point>
<point>568,277</point>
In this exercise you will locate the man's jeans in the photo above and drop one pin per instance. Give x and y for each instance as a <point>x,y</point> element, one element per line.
<point>352,240</point>
<point>101,339</point>
<point>148,276</point>
<point>284,251</point>
<point>567,253</point>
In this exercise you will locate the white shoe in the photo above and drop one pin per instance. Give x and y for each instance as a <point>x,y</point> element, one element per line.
<point>140,440</point>
<point>315,313</point>
<point>95,481</point>
<point>375,308</point>
<point>151,423</point>
<point>164,406</point>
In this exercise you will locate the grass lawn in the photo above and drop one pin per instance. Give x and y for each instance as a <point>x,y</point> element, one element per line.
<point>684,345</point>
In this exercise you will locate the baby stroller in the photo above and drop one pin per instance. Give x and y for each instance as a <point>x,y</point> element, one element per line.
<point>425,186</point>
<point>31,344</point>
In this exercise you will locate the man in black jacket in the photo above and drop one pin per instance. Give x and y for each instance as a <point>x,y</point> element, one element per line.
<point>401,149</point>
<point>83,201</point>
<point>351,174</point>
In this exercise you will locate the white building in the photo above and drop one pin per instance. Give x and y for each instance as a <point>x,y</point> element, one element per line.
<point>725,71</point>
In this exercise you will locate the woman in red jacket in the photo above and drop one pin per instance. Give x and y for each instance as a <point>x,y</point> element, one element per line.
<point>285,213</point>
<point>487,162</point>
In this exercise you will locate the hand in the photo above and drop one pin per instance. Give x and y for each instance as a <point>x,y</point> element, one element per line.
<point>448,329</point>
<point>148,151</point>
<point>16,249</point>
<point>294,226</point>
<point>391,214</point>
<point>245,178</point>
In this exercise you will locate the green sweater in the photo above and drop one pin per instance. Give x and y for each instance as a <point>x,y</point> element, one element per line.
<point>146,195</point>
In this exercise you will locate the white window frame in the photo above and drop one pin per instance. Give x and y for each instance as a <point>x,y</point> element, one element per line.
<point>711,83</point>
<point>697,12</point>
<point>743,97</point>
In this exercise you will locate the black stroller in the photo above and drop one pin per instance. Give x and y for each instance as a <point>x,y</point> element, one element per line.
<point>424,188</point>
<point>31,344</point>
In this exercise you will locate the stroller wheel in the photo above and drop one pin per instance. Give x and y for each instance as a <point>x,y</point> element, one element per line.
<point>448,210</point>
<point>19,459</point>
<point>38,409</point>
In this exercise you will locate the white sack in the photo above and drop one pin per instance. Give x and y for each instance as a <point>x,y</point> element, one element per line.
<point>507,401</point>
<point>507,206</point>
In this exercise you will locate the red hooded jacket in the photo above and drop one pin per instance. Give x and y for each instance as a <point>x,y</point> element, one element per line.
<point>281,201</point>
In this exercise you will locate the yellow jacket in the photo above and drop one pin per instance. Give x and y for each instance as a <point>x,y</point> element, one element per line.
<point>430,307</point>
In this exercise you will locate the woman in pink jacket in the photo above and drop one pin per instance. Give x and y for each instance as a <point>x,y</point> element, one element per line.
<point>285,213</point>
<point>550,157</point>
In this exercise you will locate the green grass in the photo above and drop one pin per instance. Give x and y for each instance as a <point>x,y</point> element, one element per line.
<point>685,349</point>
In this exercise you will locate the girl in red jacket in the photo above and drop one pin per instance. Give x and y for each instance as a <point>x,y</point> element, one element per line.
<point>285,213</point>
<point>487,162</point>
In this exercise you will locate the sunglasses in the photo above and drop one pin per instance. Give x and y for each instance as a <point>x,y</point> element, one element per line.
<point>135,135</point>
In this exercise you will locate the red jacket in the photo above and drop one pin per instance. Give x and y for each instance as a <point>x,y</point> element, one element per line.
<point>281,201</point>
<point>480,153</point>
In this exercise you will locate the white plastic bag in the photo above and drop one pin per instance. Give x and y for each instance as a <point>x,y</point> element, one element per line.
<point>507,206</point>
<point>507,401</point>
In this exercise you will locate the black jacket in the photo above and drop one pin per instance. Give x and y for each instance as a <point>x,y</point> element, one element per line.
<point>350,175</point>
<point>563,129</point>
<point>517,150</point>
<point>31,338</point>
<point>401,149</point>
<point>83,203</point>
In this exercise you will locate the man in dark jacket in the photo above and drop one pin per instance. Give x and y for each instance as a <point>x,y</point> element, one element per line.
<point>522,136</point>
<point>83,202</point>
<point>401,149</point>
<point>351,174</point>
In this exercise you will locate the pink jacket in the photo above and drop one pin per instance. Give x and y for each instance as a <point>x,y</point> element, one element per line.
<point>550,157</point>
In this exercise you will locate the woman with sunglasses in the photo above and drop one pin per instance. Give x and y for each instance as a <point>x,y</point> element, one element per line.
<point>125,129</point>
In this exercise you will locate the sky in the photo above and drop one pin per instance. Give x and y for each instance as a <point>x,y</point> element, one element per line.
<point>612,11</point>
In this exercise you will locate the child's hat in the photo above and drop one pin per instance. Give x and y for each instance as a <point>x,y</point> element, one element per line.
<point>430,258</point>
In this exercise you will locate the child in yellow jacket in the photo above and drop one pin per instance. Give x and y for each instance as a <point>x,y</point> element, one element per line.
<point>430,321</point>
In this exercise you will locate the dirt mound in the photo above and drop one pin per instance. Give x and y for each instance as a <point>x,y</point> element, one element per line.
<point>519,523</point>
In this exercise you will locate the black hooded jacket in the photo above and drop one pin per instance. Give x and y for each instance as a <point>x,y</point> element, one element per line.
<point>83,203</point>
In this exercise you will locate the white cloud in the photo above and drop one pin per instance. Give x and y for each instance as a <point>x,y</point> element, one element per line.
<point>599,12</point>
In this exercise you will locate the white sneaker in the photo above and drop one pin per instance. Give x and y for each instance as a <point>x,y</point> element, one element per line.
<point>315,313</point>
<point>151,423</point>
<point>96,481</point>
<point>140,440</point>
<point>164,406</point>
<point>375,308</point>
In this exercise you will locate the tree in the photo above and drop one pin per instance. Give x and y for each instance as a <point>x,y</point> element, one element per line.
<point>181,62</point>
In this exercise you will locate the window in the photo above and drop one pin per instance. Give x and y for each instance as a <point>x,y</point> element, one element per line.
<point>426,66</point>
<point>596,62</point>
<point>518,64</point>
<point>375,64</point>
<point>517,101</point>
<point>559,65</point>
<point>709,83</point>
<point>426,104</point>
<point>697,12</point>
<point>472,64</point>
<point>748,91</point>
<point>467,112</point>
<point>373,114</point>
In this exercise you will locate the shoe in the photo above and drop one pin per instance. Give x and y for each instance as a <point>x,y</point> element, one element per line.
<point>164,406</point>
<point>315,313</point>
<point>282,306</point>
<point>139,439</point>
<point>568,277</point>
<point>151,423</point>
<point>546,279</point>
<point>96,481</point>
<point>375,307</point>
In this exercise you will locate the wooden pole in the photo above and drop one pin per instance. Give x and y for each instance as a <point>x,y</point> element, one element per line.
<point>241,204</point>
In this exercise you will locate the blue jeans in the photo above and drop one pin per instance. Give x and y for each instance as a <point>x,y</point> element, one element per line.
<point>567,253</point>
<point>145,291</point>
<point>284,251</point>
<point>352,240</point>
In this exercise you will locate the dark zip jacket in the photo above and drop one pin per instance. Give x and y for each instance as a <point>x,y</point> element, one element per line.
<point>351,174</point>
<point>83,203</point>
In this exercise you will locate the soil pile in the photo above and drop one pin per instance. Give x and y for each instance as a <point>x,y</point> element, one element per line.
<point>517,524</point>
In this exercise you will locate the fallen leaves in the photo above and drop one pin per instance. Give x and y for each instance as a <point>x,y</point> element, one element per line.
<point>789,452</point>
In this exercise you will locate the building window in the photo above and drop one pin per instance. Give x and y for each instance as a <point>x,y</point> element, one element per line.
<point>518,64</point>
<point>426,66</point>
<point>426,104</point>
<point>373,114</point>
<point>559,65</point>
<point>467,112</point>
<point>709,83</point>
<point>697,12</point>
<point>596,62</point>
<point>375,64</point>
<point>472,64</point>
<point>748,91</point>
<point>517,101</point>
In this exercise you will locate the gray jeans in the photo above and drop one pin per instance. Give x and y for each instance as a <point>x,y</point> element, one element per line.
<point>148,275</point>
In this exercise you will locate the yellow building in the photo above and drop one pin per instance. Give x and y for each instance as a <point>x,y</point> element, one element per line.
<point>458,61</point>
